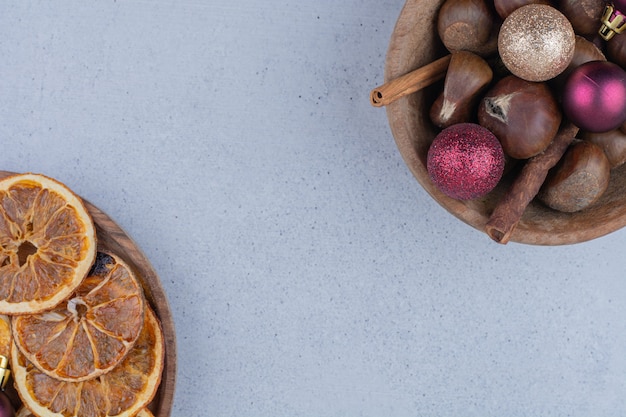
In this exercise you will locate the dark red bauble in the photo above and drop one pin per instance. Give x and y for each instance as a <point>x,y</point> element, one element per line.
<point>6,408</point>
<point>594,96</point>
<point>465,161</point>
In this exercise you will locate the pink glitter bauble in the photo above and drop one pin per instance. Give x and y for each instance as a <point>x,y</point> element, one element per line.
<point>594,96</point>
<point>465,161</point>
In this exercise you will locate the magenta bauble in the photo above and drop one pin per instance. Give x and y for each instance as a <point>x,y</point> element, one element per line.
<point>594,96</point>
<point>620,5</point>
<point>6,408</point>
<point>465,161</point>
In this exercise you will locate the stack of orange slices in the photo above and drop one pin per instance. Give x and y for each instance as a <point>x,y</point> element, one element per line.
<point>83,340</point>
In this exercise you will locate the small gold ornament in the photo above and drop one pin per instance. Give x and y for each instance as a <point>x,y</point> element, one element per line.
<point>4,372</point>
<point>612,22</point>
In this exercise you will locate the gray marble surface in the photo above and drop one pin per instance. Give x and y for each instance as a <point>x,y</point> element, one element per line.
<point>307,271</point>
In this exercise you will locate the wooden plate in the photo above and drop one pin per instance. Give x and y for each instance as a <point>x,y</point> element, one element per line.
<point>110,236</point>
<point>415,43</point>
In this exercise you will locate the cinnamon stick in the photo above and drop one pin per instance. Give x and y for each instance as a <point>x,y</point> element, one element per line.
<point>409,83</point>
<point>525,187</point>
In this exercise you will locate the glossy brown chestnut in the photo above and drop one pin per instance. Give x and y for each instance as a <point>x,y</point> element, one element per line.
<point>578,180</point>
<point>468,25</point>
<point>584,15</point>
<point>616,50</point>
<point>468,75</point>
<point>613,143</point>
<point>523,115</point>
<point>506,7</point>
<point>584,51</point>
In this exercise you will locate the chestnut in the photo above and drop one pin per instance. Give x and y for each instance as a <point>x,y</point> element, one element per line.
<point>523,115</point>
<point>584,15</point>
<point>469,25</point>
<point>468,75</point>
<point>579,179</point>
<point>584,51</point>
<point>616,50</point>
<point>506,7</point>
<point>613,143</point>
<point>497,66</point>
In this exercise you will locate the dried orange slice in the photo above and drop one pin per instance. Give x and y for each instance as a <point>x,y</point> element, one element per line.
<point>47,243</point>
<point>5,350</point>
<point>25,412</point>
<point>91,332</point>
<point>5,336</point>
<point>122,392</point>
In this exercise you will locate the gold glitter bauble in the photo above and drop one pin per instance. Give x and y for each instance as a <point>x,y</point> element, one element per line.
<point>536,42</point>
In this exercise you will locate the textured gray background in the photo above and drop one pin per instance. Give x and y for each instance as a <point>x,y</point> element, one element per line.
<point>307,271</point>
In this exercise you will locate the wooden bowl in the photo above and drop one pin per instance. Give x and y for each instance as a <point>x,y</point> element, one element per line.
<point>111,237</point>
<point>415,43</point>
